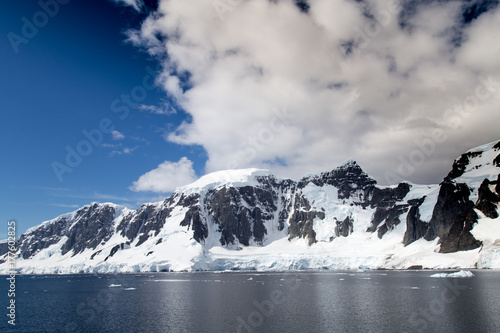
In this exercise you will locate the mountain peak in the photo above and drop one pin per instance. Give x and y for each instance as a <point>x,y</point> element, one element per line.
<point>236,178</point>
<point>349,163</point>
<point>348,178</point>
<point>476,164</point>
<point>495,145</point>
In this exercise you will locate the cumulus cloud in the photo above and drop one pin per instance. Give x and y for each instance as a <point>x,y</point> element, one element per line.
<point>166,177</point>
<point>268,84</point>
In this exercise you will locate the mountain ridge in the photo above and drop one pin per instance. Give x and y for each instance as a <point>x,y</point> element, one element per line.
<point>251,219</point>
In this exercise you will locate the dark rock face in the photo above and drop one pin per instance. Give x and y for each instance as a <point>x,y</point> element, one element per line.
<point>94,254</point>
<point>388,218</point>
<point>285,203</point>
<point>392,219</point>
<point>194,217</point>
<point>415,228</point>
<point>301,225</point>
<point>112,252</point>
<point>350,179</point>
<point>344,228</point>
<point>496,161</point>
<point>388,197</point>
<point>184,200</point>
<point>453,200</point>
<point>4,248</point>
<point>460,165</point>
<point>487,200</point>
<point>90,226</point>
<point>144,222</point>
<point>42,237</point>
<point>194,220</point>
<point>93,227</point>
<point>388,208</point>
<point>353,184</point>
<point>459,237</point>
<point>241,212</point>
<point>302,220</point>
<point>232,220</point>
<point>378,217</point>
<point>497,187</point>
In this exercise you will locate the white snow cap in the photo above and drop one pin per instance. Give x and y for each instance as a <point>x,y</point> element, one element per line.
<point>236,178</point>
<point>484,148</point>
<point>480,167</point>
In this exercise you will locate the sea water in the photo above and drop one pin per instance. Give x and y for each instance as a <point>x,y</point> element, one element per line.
<point>347,301</point>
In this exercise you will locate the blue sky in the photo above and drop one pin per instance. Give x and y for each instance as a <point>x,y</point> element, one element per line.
<point>403,87</point>
<point>61,82</point>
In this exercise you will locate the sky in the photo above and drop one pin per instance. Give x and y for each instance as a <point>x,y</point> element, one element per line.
<point>124,100</point>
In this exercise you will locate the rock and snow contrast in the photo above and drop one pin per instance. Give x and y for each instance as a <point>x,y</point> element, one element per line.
<point>252,220</point>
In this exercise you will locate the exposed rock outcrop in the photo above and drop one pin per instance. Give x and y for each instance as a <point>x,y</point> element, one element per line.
<point>453,203</point>
<point>415,227</point>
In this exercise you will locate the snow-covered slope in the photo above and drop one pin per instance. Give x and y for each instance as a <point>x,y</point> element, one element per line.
<point>251,219</point>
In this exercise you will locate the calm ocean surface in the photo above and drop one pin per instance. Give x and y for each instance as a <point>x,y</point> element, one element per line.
<point>306,302</point>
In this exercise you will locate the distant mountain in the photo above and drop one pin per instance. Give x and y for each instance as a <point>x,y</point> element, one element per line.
<point>252,220</point>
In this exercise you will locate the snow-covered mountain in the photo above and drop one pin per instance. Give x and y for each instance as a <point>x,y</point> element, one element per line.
<point>252,220</point>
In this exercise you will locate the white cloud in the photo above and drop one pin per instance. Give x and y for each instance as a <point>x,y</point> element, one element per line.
<point>166,177</point>
<point>124,151</point>
<point>349,79</point>
<point>110,145</point>
<point>93,196</point>
<point>164,109</point>
<point>128,150</point>
<point>136,4</point>
<point>117,135</point>
<point>65,205</point>
<point>103,196</point>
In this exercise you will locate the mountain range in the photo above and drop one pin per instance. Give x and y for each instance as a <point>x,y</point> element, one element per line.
<point>253,220</point>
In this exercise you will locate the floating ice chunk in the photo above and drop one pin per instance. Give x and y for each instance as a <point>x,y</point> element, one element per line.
<point>459,274</point>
